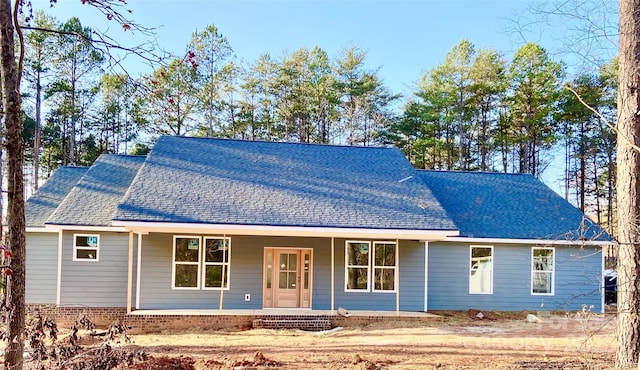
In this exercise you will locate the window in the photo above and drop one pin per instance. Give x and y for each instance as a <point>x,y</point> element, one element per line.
<point>216,262</point>
<point>186,262</point>
<point>201,262</point>
<point>481,270</point>
<point>542,270</point>
<point>384,266</point>
<point>85,247</point>
<point>358,260</point>
<point>370,269</point>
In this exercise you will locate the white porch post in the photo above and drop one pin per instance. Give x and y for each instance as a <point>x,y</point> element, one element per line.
<point>130,273</point>
<point>59,276</point>
<point>333,274</point>
<point>138,273</point>
<point>224,255</point>
<point>397,277</point>
<point>426,275</point>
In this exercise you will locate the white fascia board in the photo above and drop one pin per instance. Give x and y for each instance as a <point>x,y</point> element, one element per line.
<point>462,239</point>
<point>262,230</point>
<point>56,228</point>
<point>40,230</point>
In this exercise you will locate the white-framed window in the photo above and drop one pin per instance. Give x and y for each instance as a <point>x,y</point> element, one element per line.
<point>200,262</point>
<point>542,271</point>
<point>370,266</point>
<point>186,262</point>
<point>384,267</point>
<point>358,260</point>
<point>217,252</point>
<point>86,247</point>
<point>481,269</point>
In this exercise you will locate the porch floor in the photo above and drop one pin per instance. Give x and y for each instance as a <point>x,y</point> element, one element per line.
<point>281,312</point>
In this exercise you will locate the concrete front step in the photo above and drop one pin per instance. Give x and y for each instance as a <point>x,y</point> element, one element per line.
<point>309,323</point>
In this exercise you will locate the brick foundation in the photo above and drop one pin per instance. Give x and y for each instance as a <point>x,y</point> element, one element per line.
<point>156,323</point>
<point>66,316</point>
<point>102,317</point>
<point>366,320</point>
<point>303,322</point>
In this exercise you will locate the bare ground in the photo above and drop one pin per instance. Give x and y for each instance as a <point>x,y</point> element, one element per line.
<point>503,341</point>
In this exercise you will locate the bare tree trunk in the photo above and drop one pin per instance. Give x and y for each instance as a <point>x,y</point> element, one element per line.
<point>38,133</point>
<point>10,83</point>
<point>596,190</point>
<point>628,186</point>
<point>72,133</point>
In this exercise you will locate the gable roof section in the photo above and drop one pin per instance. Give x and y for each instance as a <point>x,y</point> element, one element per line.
<point>44,202</point>
<point>220,181</point>
<point>93,200</point>
<point>508,206</point>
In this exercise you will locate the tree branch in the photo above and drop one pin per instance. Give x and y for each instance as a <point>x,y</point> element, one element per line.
<point>613,127</point>
<point>143,51</point>
<point>16,9</point>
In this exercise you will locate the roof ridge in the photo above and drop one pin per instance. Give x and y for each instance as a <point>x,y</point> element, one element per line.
<point>169,137</point>
<point>475,172</point>
<point>122,155</point>
<point>73,166</point>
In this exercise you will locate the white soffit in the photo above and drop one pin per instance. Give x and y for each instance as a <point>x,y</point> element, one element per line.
<point>261,230</point>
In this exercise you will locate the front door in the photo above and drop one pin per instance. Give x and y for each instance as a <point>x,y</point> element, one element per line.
<point>287,278</point>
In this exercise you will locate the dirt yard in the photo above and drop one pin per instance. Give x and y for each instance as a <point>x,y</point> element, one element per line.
<point>457,342</point>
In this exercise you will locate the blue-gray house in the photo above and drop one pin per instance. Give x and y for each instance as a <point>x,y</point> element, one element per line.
<point>204,223</point>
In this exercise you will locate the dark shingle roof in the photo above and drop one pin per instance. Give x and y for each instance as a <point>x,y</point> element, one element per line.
<point>43,202</point>
<point>93,201</point>
<point>512,206</point>
<point>219,181</point>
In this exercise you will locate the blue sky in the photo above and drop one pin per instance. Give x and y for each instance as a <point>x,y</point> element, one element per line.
<point>402,38</point>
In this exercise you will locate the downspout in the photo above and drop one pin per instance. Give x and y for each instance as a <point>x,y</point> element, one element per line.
<point>130,273</point>
<point>333,275</point>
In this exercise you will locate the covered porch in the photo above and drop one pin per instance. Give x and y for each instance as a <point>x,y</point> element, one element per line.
<point>323,276</point>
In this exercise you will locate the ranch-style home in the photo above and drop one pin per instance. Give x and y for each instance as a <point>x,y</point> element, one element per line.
<point>218,224</point>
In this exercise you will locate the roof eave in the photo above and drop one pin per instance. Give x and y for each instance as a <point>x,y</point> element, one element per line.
<point>299,231</point>
<point>464,239</point>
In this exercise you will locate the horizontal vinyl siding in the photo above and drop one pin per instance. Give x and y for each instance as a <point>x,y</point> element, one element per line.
<point>321,293</point>
<point>411,292</point>
<point>96,284</point>
<point>246,273</point>
<point>411,276</point>
<point>41,268</point>
<point>578,275</point>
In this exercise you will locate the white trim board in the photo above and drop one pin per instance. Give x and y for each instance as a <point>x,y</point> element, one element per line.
<point>40,230</point>
<point>56,228</point>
